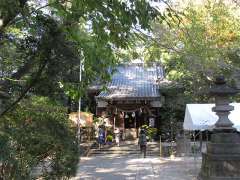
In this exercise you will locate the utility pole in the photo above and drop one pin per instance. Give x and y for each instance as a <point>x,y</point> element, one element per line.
<point>79,101</point>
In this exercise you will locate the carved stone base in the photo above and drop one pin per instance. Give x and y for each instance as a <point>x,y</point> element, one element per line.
<point>222,159</point>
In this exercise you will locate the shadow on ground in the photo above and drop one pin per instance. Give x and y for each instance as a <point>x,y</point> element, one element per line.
<point>114,167</point>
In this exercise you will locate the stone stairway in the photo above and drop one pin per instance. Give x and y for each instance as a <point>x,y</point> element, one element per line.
<point>126,148</point>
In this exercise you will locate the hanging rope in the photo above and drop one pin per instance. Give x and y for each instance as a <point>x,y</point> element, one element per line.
<point>129,110</point>
<point>136,109</point>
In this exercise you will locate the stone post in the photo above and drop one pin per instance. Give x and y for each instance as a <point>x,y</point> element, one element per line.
<point>222,158</point>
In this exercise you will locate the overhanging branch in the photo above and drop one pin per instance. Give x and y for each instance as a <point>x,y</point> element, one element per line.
<point>31,84</point>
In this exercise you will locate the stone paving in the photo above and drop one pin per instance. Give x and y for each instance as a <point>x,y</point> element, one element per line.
<point>134,167</point>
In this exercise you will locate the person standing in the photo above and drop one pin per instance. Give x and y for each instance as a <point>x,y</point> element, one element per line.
<point>142,142</point>
<point>101,136</point>
<point>117,136</point>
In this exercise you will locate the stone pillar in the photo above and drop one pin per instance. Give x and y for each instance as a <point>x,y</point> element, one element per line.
<point>183,145</point>
<point>183,141</point>
<point>222,158</point>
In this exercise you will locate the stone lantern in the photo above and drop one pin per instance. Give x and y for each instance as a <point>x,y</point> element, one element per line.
<point>221,91</point>
<point>221,161</point>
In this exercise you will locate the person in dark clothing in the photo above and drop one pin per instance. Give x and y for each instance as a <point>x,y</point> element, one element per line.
<point>101,136</point>
<point>142,142</point>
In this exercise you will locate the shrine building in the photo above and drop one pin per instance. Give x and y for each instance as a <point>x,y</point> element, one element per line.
<point>132,98</point>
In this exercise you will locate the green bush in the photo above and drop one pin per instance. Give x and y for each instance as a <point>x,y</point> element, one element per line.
<point>151,132</point>
<point>36,130</point>
<point>109,138</point>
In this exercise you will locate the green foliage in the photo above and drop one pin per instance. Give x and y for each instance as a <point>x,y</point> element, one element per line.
<point>41,51</point>
<point>36,131</point>
<point>109,138</point>
<point>171,120</point>
<point>200,47</point>
<point>150,131</point>
<point>97,120</point>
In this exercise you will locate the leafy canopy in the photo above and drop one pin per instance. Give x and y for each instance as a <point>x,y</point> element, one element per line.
<point>205,43</point>
<point>44,41</point>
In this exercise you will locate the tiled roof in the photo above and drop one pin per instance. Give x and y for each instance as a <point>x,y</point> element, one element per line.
<point>133,82</point>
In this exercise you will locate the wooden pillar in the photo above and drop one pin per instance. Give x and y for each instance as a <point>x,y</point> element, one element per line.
<point>123,128</point>
<point>145,118</point>
<point>114,122</point>
<point>135,125</point>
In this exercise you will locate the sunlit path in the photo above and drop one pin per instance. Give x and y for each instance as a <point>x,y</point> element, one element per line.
<point>133,167</point>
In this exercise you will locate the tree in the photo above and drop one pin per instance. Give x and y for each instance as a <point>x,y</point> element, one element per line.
<point>37,131</point>
<point>41,45</point>
<point>205,43</point>
<point>89,31</point>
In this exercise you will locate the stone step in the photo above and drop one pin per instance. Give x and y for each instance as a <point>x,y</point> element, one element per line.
<point>120,151</point>
<point>123,154</point>
<point>126,148</point>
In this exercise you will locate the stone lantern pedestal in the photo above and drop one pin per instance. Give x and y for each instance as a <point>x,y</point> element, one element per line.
<point>222,158</point>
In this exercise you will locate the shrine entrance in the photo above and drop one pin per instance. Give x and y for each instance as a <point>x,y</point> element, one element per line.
<point>133,98</point>
<point>130,128</point>
<point>130,120</point>
<point>135,119</point>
